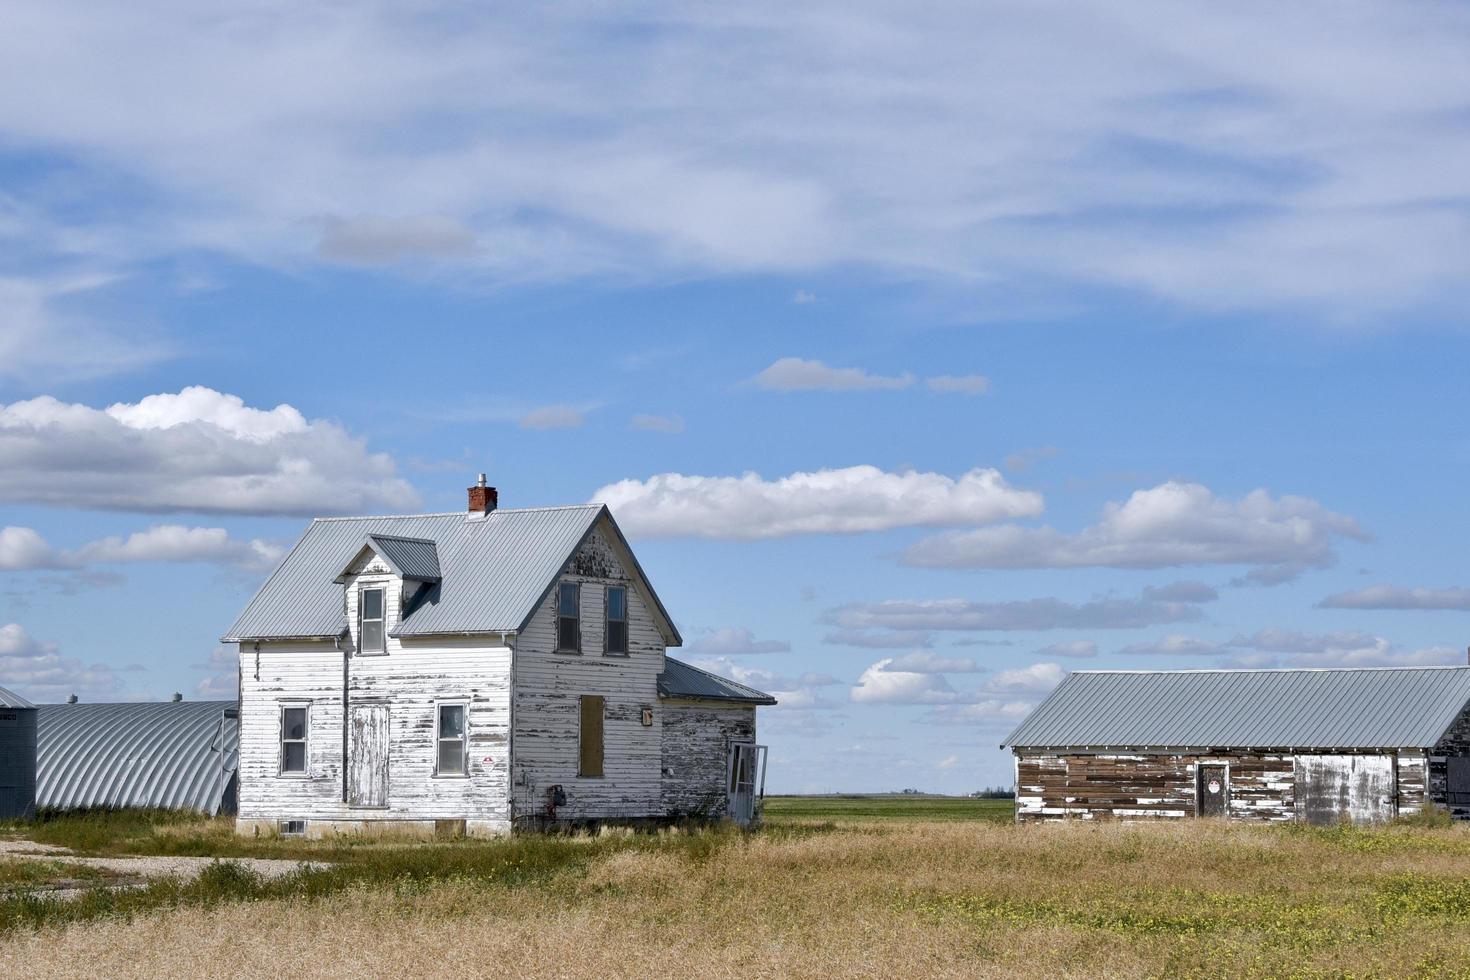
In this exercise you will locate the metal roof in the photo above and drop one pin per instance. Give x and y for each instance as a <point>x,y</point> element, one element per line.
<point>681,680</point>
<point>9,699</point>
<point>414,558</point>
<point>1349,708</point>
<point>176,755</point>
<point>494,571</point>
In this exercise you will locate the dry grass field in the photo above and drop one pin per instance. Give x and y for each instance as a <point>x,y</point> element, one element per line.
<point>884,898</point>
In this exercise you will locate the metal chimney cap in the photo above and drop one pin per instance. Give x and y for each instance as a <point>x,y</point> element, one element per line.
<point>481,481</point>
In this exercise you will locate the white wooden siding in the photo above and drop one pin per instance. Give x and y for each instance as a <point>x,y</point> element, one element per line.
<point>548,684</point>
<point>697,736</point>
<point>411,678</point>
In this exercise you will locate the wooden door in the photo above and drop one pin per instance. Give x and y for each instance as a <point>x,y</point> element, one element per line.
<point>367,759</point>
<point>1214,790</point>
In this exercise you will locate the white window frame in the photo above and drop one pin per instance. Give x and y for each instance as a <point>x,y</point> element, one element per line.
<point>607,622</point>
<point>361,593</point>
<point>464,739</point>
<point>305,740</point>
<point>559,617</point>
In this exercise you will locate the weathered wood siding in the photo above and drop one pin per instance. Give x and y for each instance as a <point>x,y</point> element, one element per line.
<point>697,736</point>
<point>410,680</point>
<point>548,685</point>
<point>1456,742</point>
<point>1269,787</point>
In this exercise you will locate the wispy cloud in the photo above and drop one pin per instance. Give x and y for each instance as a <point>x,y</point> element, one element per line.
<point>670,424</point>
<point>799,374</point>
<point>553,417</point>
<point>1395,597</point>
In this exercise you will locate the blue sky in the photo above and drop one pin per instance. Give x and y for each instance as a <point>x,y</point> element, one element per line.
<point>925,352</point>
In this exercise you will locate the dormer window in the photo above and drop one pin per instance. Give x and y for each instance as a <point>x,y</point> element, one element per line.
<point>371,635</point>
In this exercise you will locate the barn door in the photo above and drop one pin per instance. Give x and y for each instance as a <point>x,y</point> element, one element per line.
<point>367,760</point>
<point>746,781</point>
<point>1214,791</point>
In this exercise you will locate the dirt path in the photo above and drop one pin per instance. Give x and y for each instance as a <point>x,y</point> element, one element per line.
<point>139,870</point>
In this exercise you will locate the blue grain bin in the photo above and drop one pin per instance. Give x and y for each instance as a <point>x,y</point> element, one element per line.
<point>17,756</point>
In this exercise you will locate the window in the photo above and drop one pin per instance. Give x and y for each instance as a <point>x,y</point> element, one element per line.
<point>294,726</point>
<point>370,622</point>
<point>589,756</point>
<point>451,740</point>
<point>293,828</point>
<point>569,618</point>
<point>617,620</point>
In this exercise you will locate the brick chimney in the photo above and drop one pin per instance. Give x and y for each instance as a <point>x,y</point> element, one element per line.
<point>483,499</point>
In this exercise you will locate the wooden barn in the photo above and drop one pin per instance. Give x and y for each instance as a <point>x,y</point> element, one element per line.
<point>1317,746</point>
<point>478,672</point>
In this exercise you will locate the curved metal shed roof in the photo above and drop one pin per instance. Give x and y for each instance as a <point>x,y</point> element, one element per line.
<point>9,699</point>
<point>1332,708</point>
<point>175,755</point>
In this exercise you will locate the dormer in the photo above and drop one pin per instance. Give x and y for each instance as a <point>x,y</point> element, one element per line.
<point>386,578</point>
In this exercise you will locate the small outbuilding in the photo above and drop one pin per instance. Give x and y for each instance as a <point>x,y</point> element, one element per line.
<point>172,755</point>
<point>17,756</point>
<point>1320,746</point>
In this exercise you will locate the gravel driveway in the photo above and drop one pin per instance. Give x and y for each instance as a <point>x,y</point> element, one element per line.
<point>142,868</point>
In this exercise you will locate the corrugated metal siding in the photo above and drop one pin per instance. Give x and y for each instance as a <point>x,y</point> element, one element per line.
<point>9,699</point>
<point>494,571</point>
<point>416,558</point>
<point>1405,707</point>
<point>681,680</point>
<point>171,755</point>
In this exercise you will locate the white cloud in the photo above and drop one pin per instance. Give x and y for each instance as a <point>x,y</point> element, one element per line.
<point>1213,155</point>
<point>44,335</point>
<point>769,681</point>
<point>1021,614</point>
<point>672,424</point>
<point>1170,524</point>
<point>803,298</point>
<point>799,374</point>
<point>1344,648</point>
<point>553,417</point>
<point>948,762</point>
<point>1072,648</point>
<point>1394,597</point>
<point>38,671</point>
<point>840,501</point>
<point>898,639</point>
<point>986,713</point>
<point>1175,645</point>
<point>223,681</point>
<point>735,640</point>
<point>198,450</point>
<point>880,684</point>
<point>1035,679</point>
<point>382,239</point>
<point>23,548</point>
<point>1182,591</point>
<point>963,384</point>
<point>925,662</point>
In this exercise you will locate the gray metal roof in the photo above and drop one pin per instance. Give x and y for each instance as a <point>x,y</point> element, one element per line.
<point>9,699</point>
<point>170,755</point>
<point>413,558</point>
<point>1400,707</point>
<point>494,571</point>
<point>681,680</point>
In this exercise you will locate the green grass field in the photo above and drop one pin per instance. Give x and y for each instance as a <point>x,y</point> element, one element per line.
<point>887,806</point>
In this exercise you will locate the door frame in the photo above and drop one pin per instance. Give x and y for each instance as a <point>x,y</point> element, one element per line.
<point>1199,785</point>
<point>744,798</point>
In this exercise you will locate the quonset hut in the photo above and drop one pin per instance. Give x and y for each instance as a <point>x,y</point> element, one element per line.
<point>1318,746</point>
<point>173,755</point>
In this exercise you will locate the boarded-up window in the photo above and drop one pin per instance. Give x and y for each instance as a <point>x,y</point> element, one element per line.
<point>617,620</point>
<point>590,743</point>
<point>569,618</point>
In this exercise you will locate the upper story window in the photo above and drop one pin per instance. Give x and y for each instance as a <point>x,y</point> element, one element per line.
<point>371,635</point>
<point>617,620</point>
<point>569,618</point>
<point>294,720</point>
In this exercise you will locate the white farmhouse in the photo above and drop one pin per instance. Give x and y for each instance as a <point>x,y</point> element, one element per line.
<point>478,672</point>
